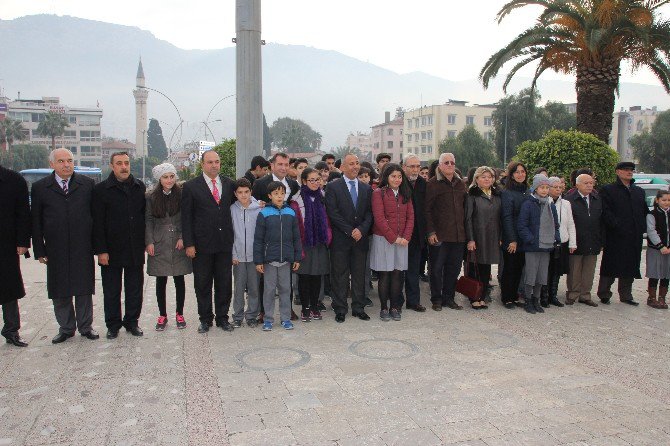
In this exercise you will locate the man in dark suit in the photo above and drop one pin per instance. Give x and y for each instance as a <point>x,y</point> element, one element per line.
<point>62,239</point>
<point>349,207</point>
<point>207,231</point>
<point>14,242</point>
<point>279,165</point>
<point>412,167</point>
<point>118,241</point>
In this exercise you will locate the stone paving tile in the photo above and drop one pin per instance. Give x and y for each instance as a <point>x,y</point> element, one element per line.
<point>269,437</point>
<point>533,437</point>
<point>472,429</point>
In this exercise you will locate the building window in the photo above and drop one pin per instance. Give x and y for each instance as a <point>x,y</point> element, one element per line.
<point>469,120</point>
<point>451,119</point>
<point>409,138</point>
<point>389,144</point>
<point>376,132</point>
<point>416,122</point>
<point>430,119</point>
<point>488,122</point>
<point>409,123</point>
<point>489,136</point>
<point>71,119</point>
<point>37,117</point>
<point>389,132</point>
<point>401,141</point>
<point>640,125</point>
<point>401,131</point>
<point>423,121</point>
<point>429,134</point>
<point>423,135</point>
<point>416,150</point>
<point>429,149</point>
<point>451,134</point>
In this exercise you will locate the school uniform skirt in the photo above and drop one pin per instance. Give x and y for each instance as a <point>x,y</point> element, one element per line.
<point>385,256</point>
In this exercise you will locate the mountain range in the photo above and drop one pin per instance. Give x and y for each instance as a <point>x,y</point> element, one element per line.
<point>86,62</point>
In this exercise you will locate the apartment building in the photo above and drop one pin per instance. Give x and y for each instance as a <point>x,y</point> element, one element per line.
<point>387,137</point>
<point>628,123</point>
<point>82,136</point>
<point>425,127</point>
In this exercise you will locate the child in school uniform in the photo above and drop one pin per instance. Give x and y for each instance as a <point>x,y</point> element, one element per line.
<point>658,250</point>
<point>244,213</point>
<point>277,252</point>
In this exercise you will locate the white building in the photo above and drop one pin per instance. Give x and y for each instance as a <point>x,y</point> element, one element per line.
<point>387,137</point>
<point>628,123</point>
<point>425,127</point>
<point>82,136</point>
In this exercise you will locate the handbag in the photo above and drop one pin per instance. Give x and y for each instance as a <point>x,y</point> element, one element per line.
<point>472,288</point>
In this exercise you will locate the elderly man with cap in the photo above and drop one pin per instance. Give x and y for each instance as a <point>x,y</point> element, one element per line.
<point>167,257</point>
<point>624,213</point>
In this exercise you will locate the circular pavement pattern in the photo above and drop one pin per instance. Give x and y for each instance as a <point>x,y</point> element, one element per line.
<point>383,348</point>
<point>273,358</point>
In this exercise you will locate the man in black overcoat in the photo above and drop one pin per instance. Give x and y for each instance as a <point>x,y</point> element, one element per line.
<point>63,240</point>
<point>412,167</point>
<point>14,242</point>
<point>349,207</point>
<point>207,231</point>
<point>624,214</point>
<point>118,241</point>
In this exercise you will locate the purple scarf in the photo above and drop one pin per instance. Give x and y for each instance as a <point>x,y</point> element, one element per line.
<point>314,220</point>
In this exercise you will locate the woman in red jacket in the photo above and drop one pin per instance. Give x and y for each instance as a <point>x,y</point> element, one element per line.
<point>393,225</point>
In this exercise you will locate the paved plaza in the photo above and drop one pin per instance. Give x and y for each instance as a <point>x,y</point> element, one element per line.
<point>573,376</point>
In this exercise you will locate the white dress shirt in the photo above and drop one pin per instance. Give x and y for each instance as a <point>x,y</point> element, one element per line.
<point>285,183</point>
<point>208,180</point>
<point>59,180</point>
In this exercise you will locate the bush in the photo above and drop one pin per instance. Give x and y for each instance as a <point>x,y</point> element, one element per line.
<point>226,151</point>
<point>562,152</point>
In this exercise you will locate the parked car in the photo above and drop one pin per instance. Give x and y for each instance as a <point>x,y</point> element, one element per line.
<point>651,186</point>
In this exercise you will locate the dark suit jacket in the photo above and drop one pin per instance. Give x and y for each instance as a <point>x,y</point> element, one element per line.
<point>344,217</point>
<point>419,200</point>
<point>206,225</point>
<point>118,221</point>
<point>260,188</point>
<point>14,232</point>
<point>63,232</point>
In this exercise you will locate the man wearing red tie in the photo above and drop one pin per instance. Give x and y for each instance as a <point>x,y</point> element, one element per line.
<point>207,231</point>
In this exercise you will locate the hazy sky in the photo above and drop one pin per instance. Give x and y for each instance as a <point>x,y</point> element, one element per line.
<point>446,38</point>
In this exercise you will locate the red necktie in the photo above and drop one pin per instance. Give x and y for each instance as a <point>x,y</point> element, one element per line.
<point>215,192</point>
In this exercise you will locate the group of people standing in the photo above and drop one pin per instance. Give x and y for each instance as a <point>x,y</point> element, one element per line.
<point>308,232</point>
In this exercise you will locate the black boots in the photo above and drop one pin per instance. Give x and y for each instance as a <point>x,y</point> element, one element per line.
<point>528,305</point>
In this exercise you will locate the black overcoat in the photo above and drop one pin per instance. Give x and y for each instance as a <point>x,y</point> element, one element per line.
<point>118,221</point>
<point>418,201</point>
<point>63,233</point>
<point>624,214</point>
<point>14,232</point>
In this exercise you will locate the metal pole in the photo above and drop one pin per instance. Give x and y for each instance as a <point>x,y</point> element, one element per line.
<point>144,158</point>
<point>249,115</point>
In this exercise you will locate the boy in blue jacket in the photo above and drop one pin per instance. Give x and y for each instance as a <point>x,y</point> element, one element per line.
<point>538,230</point>
<point>277,250</point>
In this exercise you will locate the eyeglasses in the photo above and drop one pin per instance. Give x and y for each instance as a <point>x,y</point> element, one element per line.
<point>449,163</point>
<point>314,180</point>
<point>413,166</point>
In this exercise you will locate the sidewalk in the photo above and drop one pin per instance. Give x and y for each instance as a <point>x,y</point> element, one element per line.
<point>576,375</point>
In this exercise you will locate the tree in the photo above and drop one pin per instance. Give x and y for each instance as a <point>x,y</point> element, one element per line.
<point>156,147</point>
<point>341,151</point>
<point>25,156</point>
<point>226,151</point>
<point>149,163</point>
<point>590,39</point>
<point>10,131</point>
<point>652,149</point>
<point>562,152</point>
<point>470,149</point>
<point>267,138</point>
<point>526,120</point>
<point>53,126</point>
<point>294,135</point>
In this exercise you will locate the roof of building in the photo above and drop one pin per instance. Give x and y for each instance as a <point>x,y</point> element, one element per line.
<point>117,145</point>
<point>397,121</point>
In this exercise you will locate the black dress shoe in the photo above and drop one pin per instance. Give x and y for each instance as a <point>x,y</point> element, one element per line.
<point>590,303</point>
<point>362,315</point>
<point>135,331</point>
<point>557,303</point>
<point>112,334</point>
<point>339,317</point>
<point>91,334</point>
<point>17,341</point>
<point>605,300</point>
<point>418,308</point>
<point>61,337</point>
<point>437,307</point>
<point>453,305</point>
<point>203,328</point>
<point>226,326</point>
<point>631,302</point>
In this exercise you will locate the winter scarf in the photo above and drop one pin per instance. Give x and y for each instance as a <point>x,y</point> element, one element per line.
<point>314,220</point>
<point>547,225</point>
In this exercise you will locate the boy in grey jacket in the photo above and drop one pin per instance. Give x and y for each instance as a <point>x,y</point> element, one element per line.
<point>244,213</point>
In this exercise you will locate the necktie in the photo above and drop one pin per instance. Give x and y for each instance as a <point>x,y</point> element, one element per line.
<point>64,186</point>
<point>352,191</point>
<point>586,200</point>
<point>215,192</point>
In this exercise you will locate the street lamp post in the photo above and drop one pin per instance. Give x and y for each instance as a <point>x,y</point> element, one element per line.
<point>210,130</point>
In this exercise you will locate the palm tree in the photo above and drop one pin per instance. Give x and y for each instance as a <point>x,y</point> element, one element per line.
<point>53,125</point>
<point>10,131</point>
<point>590,39</point>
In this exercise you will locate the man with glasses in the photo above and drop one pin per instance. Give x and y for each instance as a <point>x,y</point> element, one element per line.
<point>445,225</point>
<point>624,213</point>
<point>412,166</point>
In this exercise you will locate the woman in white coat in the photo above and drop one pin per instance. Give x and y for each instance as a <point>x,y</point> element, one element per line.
<point>559,260</point>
